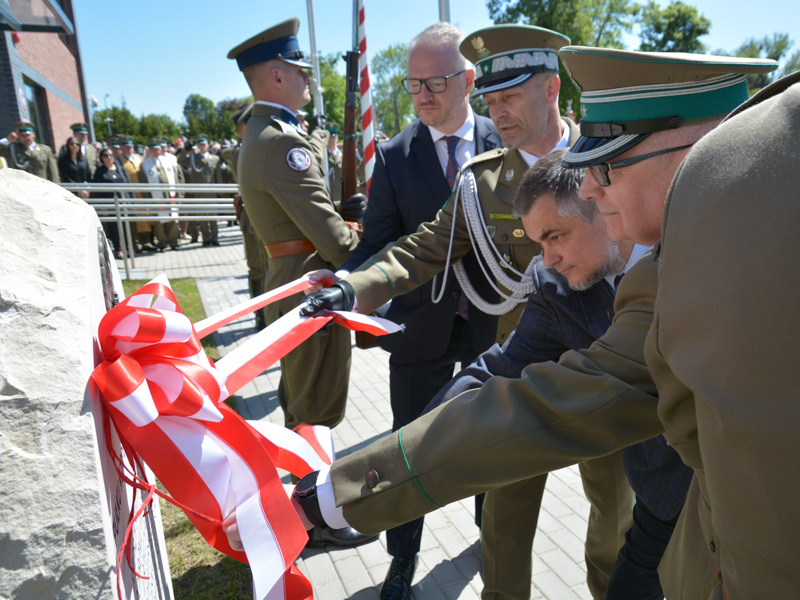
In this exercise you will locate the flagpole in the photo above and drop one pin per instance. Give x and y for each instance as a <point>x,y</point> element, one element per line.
<point>444,10</point>
<point>367,114</point>
<point>316,84</point>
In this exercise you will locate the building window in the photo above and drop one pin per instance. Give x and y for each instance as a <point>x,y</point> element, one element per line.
<point>34,102</point>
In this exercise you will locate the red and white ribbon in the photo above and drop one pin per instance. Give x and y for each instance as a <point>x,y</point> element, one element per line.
<point>165,398</point>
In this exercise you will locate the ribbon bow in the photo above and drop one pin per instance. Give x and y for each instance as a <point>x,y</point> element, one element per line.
<point>165,398</point>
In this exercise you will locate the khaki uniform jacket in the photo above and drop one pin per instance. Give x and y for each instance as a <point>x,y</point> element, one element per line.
<point>132,166</point>
<point>37,161</point>
<point>284,192</point>
<point>724,349</point>
<point>202,169</point>
<point>591,403</point>
<point>415,259</point>
<point>91,157</point>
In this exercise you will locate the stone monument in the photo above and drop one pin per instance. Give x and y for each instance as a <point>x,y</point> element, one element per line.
<point>63,509</point>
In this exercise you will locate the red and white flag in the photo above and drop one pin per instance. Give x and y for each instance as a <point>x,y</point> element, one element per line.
<point>367,114</point>
<point>165,399</point>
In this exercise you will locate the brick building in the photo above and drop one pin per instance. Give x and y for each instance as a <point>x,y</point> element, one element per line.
<point>41,76</point>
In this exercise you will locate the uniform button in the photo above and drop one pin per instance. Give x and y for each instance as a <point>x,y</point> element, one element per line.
<point>372,479</point>
<point>505,237</point>
<point>713,547</point>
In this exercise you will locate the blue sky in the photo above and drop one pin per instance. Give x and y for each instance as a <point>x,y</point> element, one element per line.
<point>155,54</point>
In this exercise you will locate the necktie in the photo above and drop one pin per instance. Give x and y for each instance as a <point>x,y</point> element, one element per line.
<point>617,279</point>
<point>450,174</point>
<point>452,162</point>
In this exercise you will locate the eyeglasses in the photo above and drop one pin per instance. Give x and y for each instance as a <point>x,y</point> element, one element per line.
<point>435,85</point>
<point>600,172</point>
<point>74,144</point>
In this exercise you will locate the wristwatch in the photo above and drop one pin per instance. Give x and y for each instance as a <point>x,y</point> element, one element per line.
<point>305,492</point>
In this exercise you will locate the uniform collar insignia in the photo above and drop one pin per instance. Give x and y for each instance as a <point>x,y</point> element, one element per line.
<point>509,175</point>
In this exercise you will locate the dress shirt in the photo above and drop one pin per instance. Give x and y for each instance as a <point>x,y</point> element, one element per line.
<point>466,147</point>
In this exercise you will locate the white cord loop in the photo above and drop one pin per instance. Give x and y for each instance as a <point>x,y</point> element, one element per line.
<point>481,241</point>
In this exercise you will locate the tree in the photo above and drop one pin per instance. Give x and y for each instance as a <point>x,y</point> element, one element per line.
<point>121,121</point>
<point>676,28</point>
<point>585,22</point>
<point>392,105</point>
<point>774,47</point>
<point>225,128</point>
<point>334,88</point>
<point>161,126</point>
<point>792,64</point>
<point>200,115</point>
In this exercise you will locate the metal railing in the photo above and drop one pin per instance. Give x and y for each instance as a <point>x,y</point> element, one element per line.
<point>209,202</point>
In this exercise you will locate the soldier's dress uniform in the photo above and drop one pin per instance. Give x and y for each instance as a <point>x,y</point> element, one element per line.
<point>89,151</point>
<point>164,171</point>
<point>284,192</point>
<point>593,401</point>
<point>36,159</point>
<point>202,168</point>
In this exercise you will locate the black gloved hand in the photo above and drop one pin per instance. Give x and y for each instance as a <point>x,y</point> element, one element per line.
<point>354,207</point>
<point>340,296</point>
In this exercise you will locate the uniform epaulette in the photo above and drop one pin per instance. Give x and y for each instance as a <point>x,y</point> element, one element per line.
<point>284,127</point>
<point>483,157</point>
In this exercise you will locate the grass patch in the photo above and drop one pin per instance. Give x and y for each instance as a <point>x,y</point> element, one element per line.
<point>188,298</point>
<point>199,572</point>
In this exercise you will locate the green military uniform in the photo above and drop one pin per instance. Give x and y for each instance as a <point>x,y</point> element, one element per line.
<point>588,404</point>
<point>335,168</point>
<point>254,253</point>
<point>36,159</point>
<point>284,193</point>
<point>727,375</point>
<point>202,168</point>
<point>89,151</point>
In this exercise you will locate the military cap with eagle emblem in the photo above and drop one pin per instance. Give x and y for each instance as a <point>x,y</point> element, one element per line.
<point>506,56</point>
<point>277,42</point>
<point>627,95</point>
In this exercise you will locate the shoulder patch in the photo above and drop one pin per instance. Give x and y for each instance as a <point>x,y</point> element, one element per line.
<point>298,159</point>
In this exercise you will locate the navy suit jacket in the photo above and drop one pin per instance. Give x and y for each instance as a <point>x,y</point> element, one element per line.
<point>408,188</point>
<point>557,319</point>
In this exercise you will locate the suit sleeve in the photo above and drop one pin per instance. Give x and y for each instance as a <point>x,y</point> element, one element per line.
<point>537,338</point>
<point>382,222</point>
<point>591,403</point>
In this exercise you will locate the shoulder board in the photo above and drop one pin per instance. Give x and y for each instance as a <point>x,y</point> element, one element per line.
<point>487,156</point>
<point>283,126</point>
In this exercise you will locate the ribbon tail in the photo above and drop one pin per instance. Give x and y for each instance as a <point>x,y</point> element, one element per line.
<point>211,324</point>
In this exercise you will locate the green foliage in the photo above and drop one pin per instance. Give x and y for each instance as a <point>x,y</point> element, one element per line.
<point>122,121</point>
<point>791,64</point>
<point>676,28</point>
<point>585,22</point>
<point>334,88</point>
<point>200,114</point>
<point>775,47</point>
<point>157,126</point>
<point>391,104</point>
<point>226,128</point>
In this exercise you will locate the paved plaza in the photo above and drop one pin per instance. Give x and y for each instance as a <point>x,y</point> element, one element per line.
<point>450,563</point>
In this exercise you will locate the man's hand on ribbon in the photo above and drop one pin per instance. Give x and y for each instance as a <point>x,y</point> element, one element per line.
<point>320,278</point>
<point>340,296</point>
